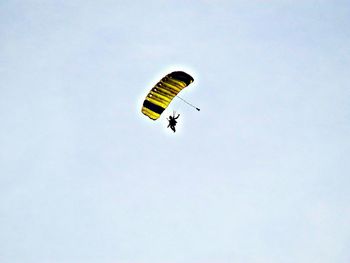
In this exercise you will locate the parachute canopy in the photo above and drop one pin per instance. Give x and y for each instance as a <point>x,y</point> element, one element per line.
<point>160,96</point>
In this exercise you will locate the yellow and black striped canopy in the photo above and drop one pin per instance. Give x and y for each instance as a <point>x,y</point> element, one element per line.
<point>160,96</point>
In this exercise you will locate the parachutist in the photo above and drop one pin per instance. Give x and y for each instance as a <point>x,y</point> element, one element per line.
<point>172,121</point>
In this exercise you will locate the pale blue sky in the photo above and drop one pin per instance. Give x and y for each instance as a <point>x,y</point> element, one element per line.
<point>260,175</point>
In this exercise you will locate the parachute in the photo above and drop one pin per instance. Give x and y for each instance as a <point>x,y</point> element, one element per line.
<point>160,96</point>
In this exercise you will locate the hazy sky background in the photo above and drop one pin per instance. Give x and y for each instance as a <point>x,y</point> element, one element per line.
<point>260,175</point>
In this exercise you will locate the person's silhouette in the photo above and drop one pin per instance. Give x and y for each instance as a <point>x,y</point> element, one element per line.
<point>172,121</point>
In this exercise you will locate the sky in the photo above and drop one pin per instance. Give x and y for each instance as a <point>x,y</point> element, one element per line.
<point>259,175</point>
